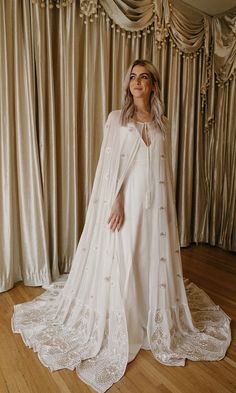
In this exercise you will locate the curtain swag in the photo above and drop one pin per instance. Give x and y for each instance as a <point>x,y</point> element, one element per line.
<point>224,33</point>
<point>188,30</point>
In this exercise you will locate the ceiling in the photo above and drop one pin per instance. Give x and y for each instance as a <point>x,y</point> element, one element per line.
<point>212,7</point>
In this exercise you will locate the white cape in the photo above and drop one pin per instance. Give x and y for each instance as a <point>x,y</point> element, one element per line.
<point>82,323</point>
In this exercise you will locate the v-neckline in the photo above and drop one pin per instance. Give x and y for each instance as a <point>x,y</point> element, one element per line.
<point>140,135</point>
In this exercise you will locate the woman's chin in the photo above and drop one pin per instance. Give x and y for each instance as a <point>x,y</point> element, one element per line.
<point>138,94</point>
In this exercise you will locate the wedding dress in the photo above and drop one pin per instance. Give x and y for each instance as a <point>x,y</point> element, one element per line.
<point>125,290</point>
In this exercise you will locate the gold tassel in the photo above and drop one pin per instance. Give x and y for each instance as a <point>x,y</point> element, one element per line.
<point>53,3</point>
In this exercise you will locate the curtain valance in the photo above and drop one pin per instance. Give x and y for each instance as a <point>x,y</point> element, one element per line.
<point>224,33</point>
<point>189,30</point>
<point>130,15</point>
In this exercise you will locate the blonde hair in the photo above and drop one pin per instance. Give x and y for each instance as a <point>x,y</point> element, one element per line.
<point>156,104</point>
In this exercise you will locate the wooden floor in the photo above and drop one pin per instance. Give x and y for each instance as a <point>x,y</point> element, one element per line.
<point>211,268</point>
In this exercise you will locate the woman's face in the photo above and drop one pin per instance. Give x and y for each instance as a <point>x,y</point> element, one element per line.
<point>140,84</point>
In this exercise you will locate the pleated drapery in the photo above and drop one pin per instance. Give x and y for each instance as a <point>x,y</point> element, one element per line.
<point>61,73</point>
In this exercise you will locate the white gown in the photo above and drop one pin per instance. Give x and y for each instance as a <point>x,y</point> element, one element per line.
<point>125,289</point>
<point>135,240</point>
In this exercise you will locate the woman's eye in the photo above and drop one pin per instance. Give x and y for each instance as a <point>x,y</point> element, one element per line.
<point>144,77</point>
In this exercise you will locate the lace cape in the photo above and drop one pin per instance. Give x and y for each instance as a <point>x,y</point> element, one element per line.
<point>81,323</point>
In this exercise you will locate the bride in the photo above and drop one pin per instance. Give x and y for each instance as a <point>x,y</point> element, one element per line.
<point>125,290</point>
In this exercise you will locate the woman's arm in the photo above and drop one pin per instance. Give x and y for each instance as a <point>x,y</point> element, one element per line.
<point>116,217</point>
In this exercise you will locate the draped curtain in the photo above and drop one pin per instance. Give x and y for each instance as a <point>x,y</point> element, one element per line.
<point>61,73</point>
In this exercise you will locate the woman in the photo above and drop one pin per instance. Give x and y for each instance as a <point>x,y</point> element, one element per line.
<point>125,290</point>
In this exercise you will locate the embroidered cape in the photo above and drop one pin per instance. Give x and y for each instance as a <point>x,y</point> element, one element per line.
<point>81,324</point>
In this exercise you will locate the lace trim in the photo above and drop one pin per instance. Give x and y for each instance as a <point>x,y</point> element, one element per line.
<point>197,331</point>
<point>96,345</point>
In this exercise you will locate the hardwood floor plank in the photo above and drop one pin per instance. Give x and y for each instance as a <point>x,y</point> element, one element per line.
<point>73,382</point>
<point>3,383</point>
<point>155,371</point>
<point>230,361</point>
<point>126,385</point>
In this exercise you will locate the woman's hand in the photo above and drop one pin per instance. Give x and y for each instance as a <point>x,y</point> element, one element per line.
<point>116,218</point>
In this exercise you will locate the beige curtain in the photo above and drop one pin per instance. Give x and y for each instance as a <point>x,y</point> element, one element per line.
<point>221,138</point>
<point>23,237</point>
<point>62,72</point>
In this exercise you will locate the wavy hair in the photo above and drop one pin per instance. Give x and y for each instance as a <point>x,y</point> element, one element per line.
<point>156,104</point>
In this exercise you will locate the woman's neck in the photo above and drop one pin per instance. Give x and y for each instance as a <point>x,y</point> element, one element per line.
<point>142,112</point>
<point>141,106</point>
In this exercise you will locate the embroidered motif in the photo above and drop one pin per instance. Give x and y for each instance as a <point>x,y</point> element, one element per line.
<point>163,234</point>
<point>163,259</point>
<point>163,285</point>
